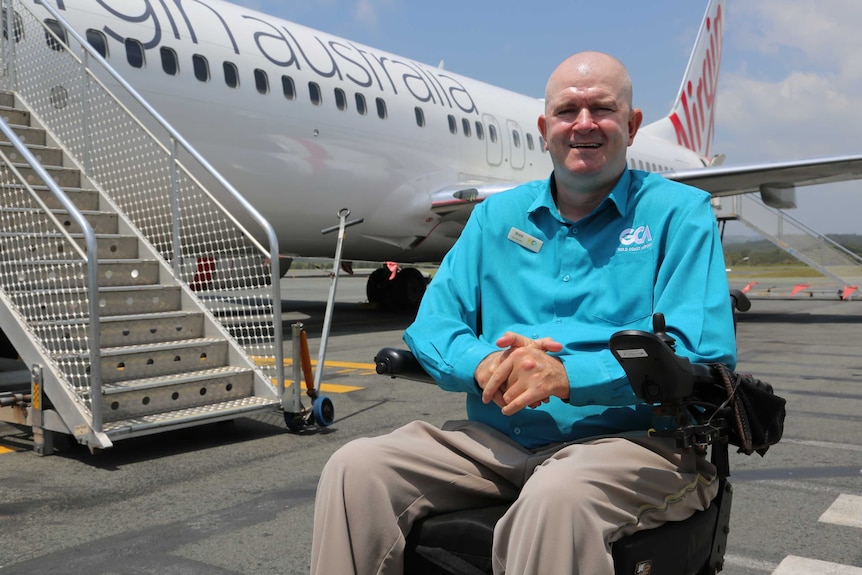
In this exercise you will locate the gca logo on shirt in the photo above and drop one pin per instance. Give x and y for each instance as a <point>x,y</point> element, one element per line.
<point>635,236</point>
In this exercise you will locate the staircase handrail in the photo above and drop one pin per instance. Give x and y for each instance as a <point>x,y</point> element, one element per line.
<point>93,332</point>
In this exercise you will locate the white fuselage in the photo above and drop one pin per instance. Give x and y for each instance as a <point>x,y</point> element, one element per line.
<point>300,162</point>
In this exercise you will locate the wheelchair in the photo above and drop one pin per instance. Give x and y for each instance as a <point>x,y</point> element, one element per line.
<point>459,542</point>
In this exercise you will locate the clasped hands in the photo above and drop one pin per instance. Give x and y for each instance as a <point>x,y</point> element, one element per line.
<point>523,374</point>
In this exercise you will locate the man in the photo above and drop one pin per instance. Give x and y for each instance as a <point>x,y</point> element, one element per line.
<point>518,318</point>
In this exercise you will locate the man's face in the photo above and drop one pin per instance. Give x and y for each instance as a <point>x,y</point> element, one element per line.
<point>588,124</point>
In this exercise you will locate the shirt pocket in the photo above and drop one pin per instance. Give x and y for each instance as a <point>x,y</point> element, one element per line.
<point>626,294</point>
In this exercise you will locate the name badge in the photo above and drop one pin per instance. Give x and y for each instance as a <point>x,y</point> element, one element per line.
<point>525,240</point>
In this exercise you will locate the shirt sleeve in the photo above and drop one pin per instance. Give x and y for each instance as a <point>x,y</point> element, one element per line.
<point>692,290</point>
<point>444,335</point>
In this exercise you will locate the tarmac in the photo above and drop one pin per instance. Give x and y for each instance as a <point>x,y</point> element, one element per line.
<point>237,498</point>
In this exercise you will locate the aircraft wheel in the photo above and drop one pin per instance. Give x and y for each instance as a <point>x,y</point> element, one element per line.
<point>409,288</point>
<point>378,286</point>
<point>323,411</point>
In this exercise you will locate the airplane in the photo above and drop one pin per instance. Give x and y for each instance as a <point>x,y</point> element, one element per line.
<point>306,124</point>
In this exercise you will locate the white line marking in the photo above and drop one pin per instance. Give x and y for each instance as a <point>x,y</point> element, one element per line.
<point>823,444</point>
<point>801,566</point>
<point>749,563</point>
<point>846,510</point>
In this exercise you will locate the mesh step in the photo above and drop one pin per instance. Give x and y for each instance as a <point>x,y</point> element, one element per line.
<point>54,246</point>
<point>147,396</point>
<point>28,135</point>
<point>64,177</point>
<point>26,220</point>
<point>159,422</point>
<point>159,359</point>
<point>70,304</point>
<point>46,156</point>
<point>48,274</point>
<point>14,116</point>
<point>128,330</point>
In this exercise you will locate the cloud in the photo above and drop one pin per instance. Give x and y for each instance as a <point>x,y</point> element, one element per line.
<point>797,88</point>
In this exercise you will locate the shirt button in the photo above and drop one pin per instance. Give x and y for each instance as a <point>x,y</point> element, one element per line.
<point>566,277</point>
<point>517,431</point>
<point>574,231</point>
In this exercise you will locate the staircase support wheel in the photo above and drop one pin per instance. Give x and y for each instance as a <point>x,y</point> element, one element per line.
<point>323,410</point>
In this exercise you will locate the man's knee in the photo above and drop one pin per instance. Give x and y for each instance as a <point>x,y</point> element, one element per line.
<point>360,457</point>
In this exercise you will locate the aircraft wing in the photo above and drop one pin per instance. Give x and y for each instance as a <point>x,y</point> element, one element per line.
<point>455,203</point>
<point>776,182</point>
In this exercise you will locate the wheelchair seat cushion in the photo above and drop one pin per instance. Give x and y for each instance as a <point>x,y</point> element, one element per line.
<point>460,543</point>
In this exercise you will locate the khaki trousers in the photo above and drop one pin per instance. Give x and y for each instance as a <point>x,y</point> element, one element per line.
<point>571,500</point>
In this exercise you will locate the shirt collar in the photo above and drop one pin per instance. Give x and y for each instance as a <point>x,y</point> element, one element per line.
<point>619,196</point>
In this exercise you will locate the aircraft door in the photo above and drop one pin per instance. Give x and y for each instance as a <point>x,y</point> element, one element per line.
<point>516,144</point>
<point>493,139</point>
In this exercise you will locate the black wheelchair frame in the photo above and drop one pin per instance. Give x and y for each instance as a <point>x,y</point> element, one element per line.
<point>459,543</point>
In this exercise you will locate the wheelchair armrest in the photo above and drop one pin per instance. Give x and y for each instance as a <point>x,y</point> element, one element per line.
<point>739,301</point>
<point>400,363</point>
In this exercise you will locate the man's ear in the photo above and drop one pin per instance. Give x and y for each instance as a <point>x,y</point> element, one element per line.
<point>543,126</point>
<point>636,118</point>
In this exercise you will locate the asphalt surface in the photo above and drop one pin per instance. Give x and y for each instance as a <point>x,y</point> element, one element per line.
<point>237,498</point>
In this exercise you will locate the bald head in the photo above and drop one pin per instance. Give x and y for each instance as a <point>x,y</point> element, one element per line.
<point>595,66</point>
<point>588,124</point>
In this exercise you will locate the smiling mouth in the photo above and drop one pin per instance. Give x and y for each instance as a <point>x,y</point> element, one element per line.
<point>591,145</point>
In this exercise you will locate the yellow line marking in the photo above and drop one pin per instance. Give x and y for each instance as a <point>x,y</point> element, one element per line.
<point>349,367</point>
<point>6,450</point>
<point>328,387</point>
<point>269,360</point>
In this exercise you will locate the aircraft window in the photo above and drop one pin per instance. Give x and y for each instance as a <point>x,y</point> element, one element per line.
<point>453,125</point>
<point>361,106</point>
<point>18,26</point>
<point>202,68</point>
<point>420,117</point>
<point>381,108</point>
<point>231,75</point>
<point>58,31</point>
<point>134,53</point>
<point>170,63</point>
<point>516,138</point>
<point>640,164</point>
<point>530,141</point>
<point>340,99</point>
<point>288,87</point>
<point>314,93</point>
<point>465,127</point>
<point>480,130</point>
<point>97,40</point>
<point>492,133</point>
<point>542,144</point>
<point>261,81</point>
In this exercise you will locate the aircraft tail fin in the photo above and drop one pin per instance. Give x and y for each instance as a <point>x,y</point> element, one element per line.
<point>691,121</point>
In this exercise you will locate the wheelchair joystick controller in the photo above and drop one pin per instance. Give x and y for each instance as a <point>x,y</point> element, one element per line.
<point>669,382</point>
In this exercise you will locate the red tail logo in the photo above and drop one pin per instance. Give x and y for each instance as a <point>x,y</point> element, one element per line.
<point>697,100</point>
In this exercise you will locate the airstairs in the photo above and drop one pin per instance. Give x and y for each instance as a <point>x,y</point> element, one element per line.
<point>134,300</point>
<point>810,247</point>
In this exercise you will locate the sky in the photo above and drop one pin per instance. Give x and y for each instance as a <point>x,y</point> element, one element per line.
<point>791,73</point>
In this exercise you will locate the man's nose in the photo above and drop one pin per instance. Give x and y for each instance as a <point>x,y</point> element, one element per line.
<point>584,120</point>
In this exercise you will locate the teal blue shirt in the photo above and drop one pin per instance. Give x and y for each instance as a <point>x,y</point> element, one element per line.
<point>651,246</point>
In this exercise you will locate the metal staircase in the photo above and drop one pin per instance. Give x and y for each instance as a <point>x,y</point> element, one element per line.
<point>135,301</point>
<point>805,244</point>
